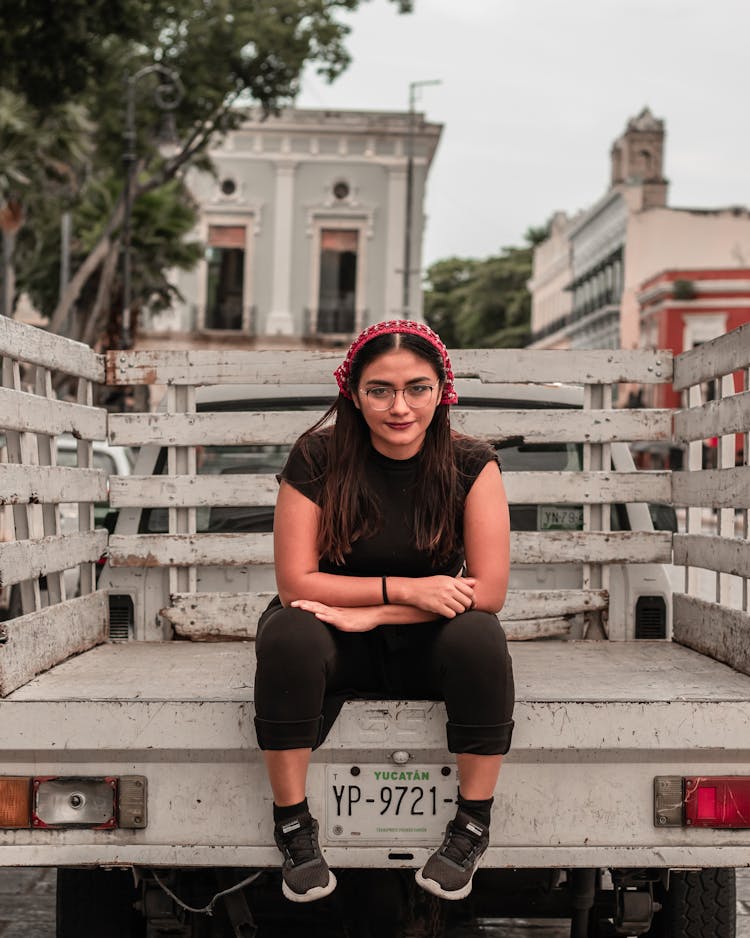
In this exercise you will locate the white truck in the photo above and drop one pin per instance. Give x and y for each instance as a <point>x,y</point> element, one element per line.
<point>128,758</point>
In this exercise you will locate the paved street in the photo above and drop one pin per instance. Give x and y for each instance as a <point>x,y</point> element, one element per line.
<point>27,910</point>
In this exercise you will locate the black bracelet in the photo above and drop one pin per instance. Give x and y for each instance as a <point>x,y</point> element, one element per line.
<point>386,601</point>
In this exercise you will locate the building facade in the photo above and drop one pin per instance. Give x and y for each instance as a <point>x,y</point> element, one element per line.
<point>623,240</point>
<point>305,227</point>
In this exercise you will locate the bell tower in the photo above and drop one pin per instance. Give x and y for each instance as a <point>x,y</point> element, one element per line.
<point>638,159</point>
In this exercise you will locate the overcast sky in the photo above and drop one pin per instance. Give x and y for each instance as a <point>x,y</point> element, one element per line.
<point>534,92</point>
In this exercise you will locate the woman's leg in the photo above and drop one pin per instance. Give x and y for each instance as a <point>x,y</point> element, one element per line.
<point>287,773</point>
<point>470,668</point>
<point>300,659</point>
<point>477,775</point>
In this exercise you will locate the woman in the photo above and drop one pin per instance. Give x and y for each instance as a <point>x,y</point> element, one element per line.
<point>391,543</point>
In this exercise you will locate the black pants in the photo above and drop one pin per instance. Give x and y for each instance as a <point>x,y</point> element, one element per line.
<point>307,669</point>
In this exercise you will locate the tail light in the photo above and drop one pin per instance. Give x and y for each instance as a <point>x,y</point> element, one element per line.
<point>100,803</point>
<point>718,801</point>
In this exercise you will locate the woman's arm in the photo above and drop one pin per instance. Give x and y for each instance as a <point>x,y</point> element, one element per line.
<point>487,538</point>
<point>295,544</point>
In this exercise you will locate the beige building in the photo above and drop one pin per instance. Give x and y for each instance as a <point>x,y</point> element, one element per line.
<point>627,236</point>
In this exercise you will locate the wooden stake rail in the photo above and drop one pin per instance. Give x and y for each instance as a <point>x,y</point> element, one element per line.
<point>41,564</point>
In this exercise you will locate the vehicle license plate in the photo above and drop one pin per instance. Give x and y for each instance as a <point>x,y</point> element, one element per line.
<point>560,517</point>
<point>380,803</point>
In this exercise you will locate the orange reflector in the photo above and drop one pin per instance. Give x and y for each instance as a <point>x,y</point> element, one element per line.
<point>15,802</point>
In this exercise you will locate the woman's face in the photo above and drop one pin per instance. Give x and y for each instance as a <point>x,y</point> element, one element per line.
<point>398,431</point>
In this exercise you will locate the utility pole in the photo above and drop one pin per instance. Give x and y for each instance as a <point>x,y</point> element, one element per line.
<point>407,272</point>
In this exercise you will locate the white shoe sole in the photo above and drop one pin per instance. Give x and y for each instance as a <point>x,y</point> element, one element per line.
<point>435,889</point>
<point>317,892</point>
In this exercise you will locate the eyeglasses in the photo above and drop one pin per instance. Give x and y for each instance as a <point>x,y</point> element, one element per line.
<point>415,395</point>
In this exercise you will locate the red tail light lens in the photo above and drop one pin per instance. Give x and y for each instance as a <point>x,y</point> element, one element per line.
<point>717,801</point>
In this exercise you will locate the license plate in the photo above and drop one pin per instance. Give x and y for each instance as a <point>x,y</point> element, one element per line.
<point>560,517</point>
<point>409,804</point>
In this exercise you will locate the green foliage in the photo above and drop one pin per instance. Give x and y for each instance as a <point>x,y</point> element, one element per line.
<point>481,303</point>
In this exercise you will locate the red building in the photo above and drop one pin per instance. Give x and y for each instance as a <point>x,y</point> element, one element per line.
<point>682,308</point>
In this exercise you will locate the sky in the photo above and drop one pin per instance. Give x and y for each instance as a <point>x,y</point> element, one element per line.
<point>534,92</point>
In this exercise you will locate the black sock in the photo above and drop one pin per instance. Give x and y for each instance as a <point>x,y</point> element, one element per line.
<point>479,810</point>
<point>289,811</point>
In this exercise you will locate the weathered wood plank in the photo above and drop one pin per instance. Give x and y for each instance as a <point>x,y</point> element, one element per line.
<point>40,640</point>
<point>30,412</point>
<point>184,550</point>
<point>564,425</point>
<point>575,366</point>
<point>522,488</point>
<point>524,366</point>
<point>714,418</point>
<point>34,484</point>
<point>492,424</point>
<point>717,631</point>
<point>719,356</point>
<point>181,550</point>
<point>526,630</point>
<point>712,488</point>
<point>25,560</point>
<point>217,616</point>
<point>591,546</point>
<point>38,347</point>
<point>711,552</point>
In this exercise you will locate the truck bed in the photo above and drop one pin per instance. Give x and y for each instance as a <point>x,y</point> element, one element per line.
<point>595,722</point>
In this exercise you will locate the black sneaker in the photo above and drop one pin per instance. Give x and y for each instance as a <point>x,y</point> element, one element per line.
<point>450,869</point>
<point>305,874</point>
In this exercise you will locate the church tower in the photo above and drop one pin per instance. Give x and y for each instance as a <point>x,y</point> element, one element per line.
<point>638,159</point>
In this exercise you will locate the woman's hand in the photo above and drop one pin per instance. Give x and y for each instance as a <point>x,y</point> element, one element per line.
<point>448,596</point>
<point>346,619</point>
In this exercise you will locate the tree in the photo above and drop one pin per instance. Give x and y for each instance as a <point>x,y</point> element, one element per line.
<point>41,162</point>
<point>483,303</point>
<point>227,54</point>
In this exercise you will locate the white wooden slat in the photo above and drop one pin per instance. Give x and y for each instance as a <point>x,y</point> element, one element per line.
<point>23,560</point>
<point>695,464</point>
<point>493,424</point>
<point>23,517</point>
<point>582,546</point>
<point>30,412</point>
<point>719,356</point>
<point>38,347</point>
<point>710,552</point>
<point>36,642</point>
<point>564,425</point>
<point>181,460</point>
<point>47,456</point>
<point>85,456</point>
<point>234,616</point>
<point>522,488</point>
<point>527,630</point>
<point>153,550</point>
<point>193,367</point>
<point>184,550</point>
<point>726,514</point>
<point>718,631</point>
<point>712,488</point>
<point>714,418</point>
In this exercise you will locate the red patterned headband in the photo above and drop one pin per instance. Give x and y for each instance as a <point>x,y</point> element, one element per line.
<point>343,372</point>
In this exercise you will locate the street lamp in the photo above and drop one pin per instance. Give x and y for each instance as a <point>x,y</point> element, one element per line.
<point>406,282</point>
<point>167,95</point>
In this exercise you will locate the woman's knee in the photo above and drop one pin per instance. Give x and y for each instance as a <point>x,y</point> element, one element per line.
<point>473,636</point>
<point>293,634</point>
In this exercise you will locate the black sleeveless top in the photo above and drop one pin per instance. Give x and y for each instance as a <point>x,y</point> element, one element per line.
<point>391,551</point>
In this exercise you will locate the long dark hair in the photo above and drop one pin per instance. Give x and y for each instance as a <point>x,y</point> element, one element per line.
<point>349,508</point>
